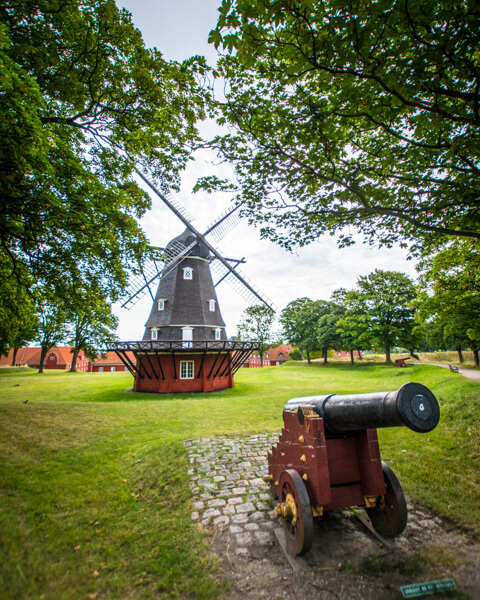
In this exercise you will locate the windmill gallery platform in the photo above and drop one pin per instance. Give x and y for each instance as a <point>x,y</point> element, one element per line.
<point>169,367</point>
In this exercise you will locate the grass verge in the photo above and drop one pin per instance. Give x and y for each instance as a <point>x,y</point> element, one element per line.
<point>95,493</point>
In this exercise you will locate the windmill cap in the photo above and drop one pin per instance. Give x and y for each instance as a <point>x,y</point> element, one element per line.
<point>186,238</point>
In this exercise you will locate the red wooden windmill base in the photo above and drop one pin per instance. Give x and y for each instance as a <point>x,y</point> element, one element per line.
<point>181,367</point>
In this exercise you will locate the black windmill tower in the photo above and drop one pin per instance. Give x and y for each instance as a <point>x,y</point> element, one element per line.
<point>185,347</point>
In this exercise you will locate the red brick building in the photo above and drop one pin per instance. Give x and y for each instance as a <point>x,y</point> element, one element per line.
<point>111,362</point>
<point>273,357</point>
<point>59,358</point>
<point>21,359</point>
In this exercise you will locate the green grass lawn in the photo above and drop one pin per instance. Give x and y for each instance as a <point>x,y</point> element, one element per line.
<point>94,488</point>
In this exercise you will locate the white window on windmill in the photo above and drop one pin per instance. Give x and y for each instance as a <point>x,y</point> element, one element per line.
<point>211,305</point>
<point>154,333</point>
<point>187,337</point>
<point>161,304</point>
<point>218,333</point>
<point>186,369</point>
<point>188,273</point>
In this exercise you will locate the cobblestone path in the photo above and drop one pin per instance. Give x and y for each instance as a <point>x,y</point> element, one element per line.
<point>226,476</point>
<point>230,496</point>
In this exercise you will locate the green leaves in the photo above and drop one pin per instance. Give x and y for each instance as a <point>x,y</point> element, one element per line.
<point>82,101</point>
<point>448,305</point>
<point>353,119</point>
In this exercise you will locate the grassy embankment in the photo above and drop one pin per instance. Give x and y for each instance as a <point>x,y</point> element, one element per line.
<point>95,498</point>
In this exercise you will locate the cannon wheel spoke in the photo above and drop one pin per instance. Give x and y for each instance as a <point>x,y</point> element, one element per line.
<point>391,519</point>
<point>300,527</point>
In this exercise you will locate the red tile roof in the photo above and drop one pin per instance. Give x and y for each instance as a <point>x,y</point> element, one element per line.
<point>112,359</point>
<point>280,353</point>
<point>23,356</point>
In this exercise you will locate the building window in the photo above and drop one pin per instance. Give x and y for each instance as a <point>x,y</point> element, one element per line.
<point>187,337</point>
<point>218,334</point>
<point>100,369</point>
<point>188,273</point>
<point>154,334</point>
<point>212,305</point>
<point>52,357</point>
<point>112,369</point>
<point>186,369</point>
<point>161,304</point>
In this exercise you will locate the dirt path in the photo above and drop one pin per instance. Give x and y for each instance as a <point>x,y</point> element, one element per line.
<point>347,561</point>
<point>472,374</point>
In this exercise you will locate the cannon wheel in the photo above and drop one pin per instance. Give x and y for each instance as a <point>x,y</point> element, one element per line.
<point>299,527</point>
<point>391,519</point>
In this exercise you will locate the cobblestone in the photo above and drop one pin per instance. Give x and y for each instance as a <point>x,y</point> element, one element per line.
<point>228,489</point>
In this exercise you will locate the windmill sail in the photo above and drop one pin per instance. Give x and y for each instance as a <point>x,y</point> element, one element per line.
<point>218,230</point>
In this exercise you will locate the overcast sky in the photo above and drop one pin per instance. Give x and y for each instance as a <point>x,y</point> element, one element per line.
<point>179,29</point>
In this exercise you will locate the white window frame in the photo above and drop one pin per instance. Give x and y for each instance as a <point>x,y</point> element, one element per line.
<point>154,334</point>
<point>161,304</point>
<point>187,369</point>
<point>218,333</point>
<point>188,273</point>
<point>211,305</point>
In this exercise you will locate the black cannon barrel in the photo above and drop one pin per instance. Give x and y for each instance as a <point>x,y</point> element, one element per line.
<point>413,406</point>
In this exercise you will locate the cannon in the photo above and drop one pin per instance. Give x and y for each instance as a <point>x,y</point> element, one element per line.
<point>328,458</point>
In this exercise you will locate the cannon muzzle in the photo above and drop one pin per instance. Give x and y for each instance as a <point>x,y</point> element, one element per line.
<point>413,406</point>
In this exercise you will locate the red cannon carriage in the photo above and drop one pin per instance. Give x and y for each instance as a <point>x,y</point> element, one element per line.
<point>328,458</point>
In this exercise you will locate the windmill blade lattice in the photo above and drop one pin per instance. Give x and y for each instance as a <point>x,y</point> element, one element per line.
<point>223,224</point>
<point>236,284</point>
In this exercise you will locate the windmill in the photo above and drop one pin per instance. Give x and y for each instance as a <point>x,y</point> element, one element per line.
<point>185,347</point>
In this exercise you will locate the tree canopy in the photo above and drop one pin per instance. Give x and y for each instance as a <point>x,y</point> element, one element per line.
<point>448,302</point>
<point>353,117</point>
<point>82,100</point>
<point>300,321</point>
<point>256,325</point>
<point>378,312</point>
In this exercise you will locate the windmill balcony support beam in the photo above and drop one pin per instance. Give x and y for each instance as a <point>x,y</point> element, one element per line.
<point>158,364</point>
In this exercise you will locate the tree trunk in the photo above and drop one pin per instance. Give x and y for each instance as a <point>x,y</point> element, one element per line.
<point>261,360</point>
<point>325,358</point>
<point>43,354</point>
<point>308,357</point>
<point>475,358</point>
<point>302,354</point>
<point>352,359</point>
<point>14,357</point>
<point>460,355</point>
<point>388,359</point>
<point>360,357</point>
<point>73,366</point>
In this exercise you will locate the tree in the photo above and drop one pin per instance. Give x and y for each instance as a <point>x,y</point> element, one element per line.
<point>378,311</point>
<point>449,296</point>
<point>353,117</point>
<point>300,324</point>
<point>18,318</point>
<point>81,102</point>
<point>52,328</point>
<point>90,323</point>
<point>256,325</point>
<point>349,331</point>
<point>327,330</point>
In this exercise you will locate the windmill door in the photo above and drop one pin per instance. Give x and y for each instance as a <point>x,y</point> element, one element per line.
<point>187,337</point>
